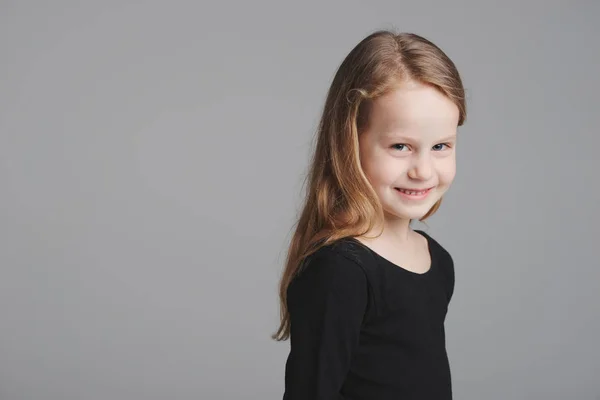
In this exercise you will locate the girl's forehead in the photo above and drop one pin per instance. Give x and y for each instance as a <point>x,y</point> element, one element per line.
<point>422,103</point>
<point>417,108</point>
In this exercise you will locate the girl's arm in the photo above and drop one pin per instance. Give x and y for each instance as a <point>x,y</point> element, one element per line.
<point>327,304</point>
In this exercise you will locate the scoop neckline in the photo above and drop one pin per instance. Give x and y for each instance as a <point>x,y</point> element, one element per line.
<point>399,267</point>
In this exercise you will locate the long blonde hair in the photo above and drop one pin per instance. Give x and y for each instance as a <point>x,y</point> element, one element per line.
<point>339,201</point>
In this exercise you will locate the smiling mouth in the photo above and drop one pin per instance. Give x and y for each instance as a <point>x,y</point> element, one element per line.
<point>413,191</point>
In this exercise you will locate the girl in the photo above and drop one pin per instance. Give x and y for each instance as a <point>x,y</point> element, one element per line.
<point>363,296</point>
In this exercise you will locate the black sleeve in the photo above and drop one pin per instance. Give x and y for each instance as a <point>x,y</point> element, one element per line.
<point>451,278</point>
<point>327,304</point>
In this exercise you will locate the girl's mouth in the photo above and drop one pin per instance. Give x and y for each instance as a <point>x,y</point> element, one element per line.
<point>413,194</point>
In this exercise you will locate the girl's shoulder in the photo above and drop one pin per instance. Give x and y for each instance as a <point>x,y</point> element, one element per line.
<point>336,268</point>
<point>435,245</point>
<point>344,261</point>
<point>342,257</point>
<point>444,261</point>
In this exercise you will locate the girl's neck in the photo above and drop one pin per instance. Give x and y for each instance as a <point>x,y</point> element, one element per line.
<point>397,231</point>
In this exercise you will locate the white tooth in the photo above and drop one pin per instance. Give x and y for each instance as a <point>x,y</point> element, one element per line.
<point>412,193</point>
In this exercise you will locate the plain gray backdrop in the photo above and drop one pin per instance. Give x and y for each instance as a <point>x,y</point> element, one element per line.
<point>152,156</point>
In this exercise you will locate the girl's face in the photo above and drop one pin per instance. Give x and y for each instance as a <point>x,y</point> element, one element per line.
<point>410,143</point>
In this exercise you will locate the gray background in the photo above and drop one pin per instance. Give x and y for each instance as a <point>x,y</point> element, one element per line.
<point>152,158</point>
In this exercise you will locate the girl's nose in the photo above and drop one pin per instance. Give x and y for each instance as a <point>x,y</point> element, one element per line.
<point>421,169</point>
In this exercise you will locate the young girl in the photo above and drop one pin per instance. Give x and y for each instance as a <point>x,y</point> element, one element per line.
<point>363,296</point>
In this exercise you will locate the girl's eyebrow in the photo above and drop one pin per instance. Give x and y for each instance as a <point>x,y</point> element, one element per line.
<point>448,138</point>
<point>408,139</point>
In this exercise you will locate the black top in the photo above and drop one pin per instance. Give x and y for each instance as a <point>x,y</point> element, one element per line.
<point>364,328</point>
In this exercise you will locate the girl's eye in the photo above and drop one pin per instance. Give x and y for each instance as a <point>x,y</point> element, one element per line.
<point>395,146</point>
<point>400,146</point>
<point>441,144</point>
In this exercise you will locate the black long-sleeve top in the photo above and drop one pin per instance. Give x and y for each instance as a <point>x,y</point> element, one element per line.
<point>363,328</point>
